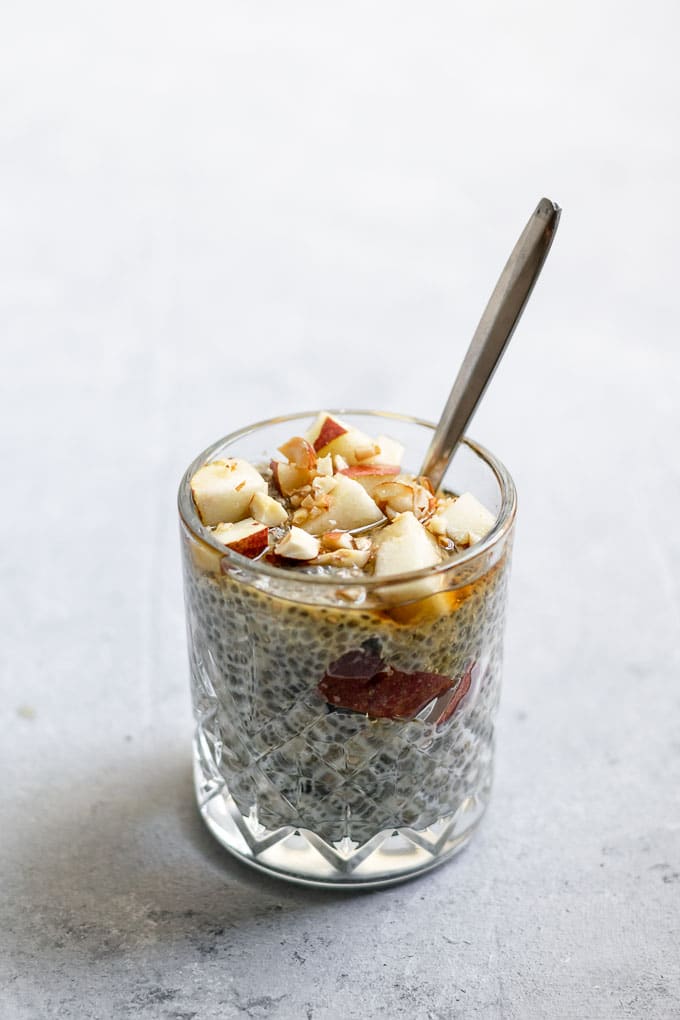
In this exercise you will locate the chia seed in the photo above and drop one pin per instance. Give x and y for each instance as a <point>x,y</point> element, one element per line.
<point>284,752</point>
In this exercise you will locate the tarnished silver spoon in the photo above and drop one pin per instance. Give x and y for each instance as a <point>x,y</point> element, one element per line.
<point>496,326</point>
<point>491,337</point>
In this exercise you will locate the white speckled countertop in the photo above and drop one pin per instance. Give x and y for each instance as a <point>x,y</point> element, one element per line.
<point>213,213</point>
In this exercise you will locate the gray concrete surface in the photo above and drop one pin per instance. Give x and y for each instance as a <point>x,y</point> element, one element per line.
<point>212,213</point>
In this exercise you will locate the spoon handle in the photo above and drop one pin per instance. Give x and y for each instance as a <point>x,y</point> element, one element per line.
<point>491,337</point>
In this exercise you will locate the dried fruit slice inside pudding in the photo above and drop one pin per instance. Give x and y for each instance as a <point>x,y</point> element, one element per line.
<point>345,718</point>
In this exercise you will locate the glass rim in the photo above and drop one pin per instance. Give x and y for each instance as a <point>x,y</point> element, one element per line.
<point>192,522</point>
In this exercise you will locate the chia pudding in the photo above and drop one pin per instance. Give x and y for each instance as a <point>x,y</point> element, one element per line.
<point>345,645</point>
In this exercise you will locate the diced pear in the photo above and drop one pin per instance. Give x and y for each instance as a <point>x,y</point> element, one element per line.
<point>467,520</point>
<point>267,510</point>
<point>323,483</point>
<point>350,507</point>
<point>331,435</point>
<point>223,489</point>
<point>248,537</point>
<point>437,525</point>
<point>288,477</point>
<point>324,429</point>
<point>403,546</point>
<point>297,544</point>
<point>391,452</point>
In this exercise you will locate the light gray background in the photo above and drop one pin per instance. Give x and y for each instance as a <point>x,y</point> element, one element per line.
<point>214,212</point>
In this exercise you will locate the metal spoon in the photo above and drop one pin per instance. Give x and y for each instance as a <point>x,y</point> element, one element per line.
<point>491,337</point>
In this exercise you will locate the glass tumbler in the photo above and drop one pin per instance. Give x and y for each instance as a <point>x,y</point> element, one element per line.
<point>291,773</point>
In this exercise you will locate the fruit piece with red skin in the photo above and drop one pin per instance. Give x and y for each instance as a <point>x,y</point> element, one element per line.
<point>369,470</point>
<point>330,430</point>
<point>331,435</point>
<point>371,475</point>
<point>248,537</point>
<point>389,694</point>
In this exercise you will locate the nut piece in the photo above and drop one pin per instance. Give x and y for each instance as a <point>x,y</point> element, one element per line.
<point>223,489</point>
<point>267,510</point>
<point>344,550</point>
<point>299,452</point>
<point>297,545</point>
<point>345,558</point>
<point>402,496</point>
<point>337,540</point>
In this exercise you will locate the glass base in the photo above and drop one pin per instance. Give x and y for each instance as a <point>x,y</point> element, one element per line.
<point>301,856</point>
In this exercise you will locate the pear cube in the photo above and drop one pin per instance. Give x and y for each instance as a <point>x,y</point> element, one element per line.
<point>466,519</point>
<point>349,506</point>
<point>223,489</point>
<point>330,435</point>
<point>389,452</point>
<point>267,510</point>
<point>297,544</point>
<point>324,430</point>
<point>403,546</point>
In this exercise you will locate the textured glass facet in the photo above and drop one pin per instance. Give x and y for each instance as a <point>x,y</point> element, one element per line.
<point>318,791</point>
